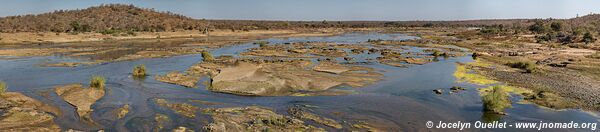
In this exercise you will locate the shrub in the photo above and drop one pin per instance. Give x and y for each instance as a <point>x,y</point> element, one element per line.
<point>588,38</point>
<point>556,26</point>
<point>438,53</point>
<point>496,100</point>
<point>527,66</point>
<point>538,27</point>
<point>207,56</point>
<point>97,82</point>
<point>139,70</point>
<point>2,87</point>
<point>262,43</point>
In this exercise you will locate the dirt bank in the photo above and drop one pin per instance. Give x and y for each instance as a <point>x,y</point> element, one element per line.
<point>21,113</point>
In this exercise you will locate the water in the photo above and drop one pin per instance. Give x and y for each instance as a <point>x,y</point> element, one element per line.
<point>402,100</point>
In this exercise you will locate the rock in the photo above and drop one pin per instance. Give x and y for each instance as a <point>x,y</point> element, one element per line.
<point>437,91</point>
<point>253,119</point>
<point>365,126</point>
<point>457,88</point>
<point>179,79</point>
<point>348,58</point>
<point>184,109</point>
<point>182,129</point>
<point>300,113</point>
<point>161,121</point>
<point>81,98</point>
<point>21,113</point>
<point>331,67</point>
<point>274,79</point>
<point>121,112</point>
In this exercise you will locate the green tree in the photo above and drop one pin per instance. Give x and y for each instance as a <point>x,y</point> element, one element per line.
<point>75,26</point>
<point>538,27</point>
<point>588,38</point>
<point>556,26</point>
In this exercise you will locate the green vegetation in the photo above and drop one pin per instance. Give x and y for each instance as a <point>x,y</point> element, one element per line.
<point>139,70</point>
<point>97,82</point>
<point>77,27</point>
<point>262,43</point>
<point>2,87</point>
<point>527,66</point>
<point>207,56</point>
<point>556,26</point>
<point>539,27</point>
<point>588,38</point>
<point>464,74</point>
<point>496,100</point>
<point>438,53</point>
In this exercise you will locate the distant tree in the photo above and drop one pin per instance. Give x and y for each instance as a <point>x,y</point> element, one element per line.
<point>75,26</point>
<point>588,38</point>
<point>538,27</point>
<point>428,25</point>
<point>556,26</point>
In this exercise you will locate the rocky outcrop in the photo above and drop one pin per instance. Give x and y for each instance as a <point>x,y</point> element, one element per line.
<point>253,119</point>
<point>21,113</point>
<point>286,78</point>
<point>81,98</point>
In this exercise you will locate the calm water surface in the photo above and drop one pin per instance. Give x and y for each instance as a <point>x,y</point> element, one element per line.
<point>402,100</point>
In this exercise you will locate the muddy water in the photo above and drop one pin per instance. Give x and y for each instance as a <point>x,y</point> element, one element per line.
<point>403,100</point>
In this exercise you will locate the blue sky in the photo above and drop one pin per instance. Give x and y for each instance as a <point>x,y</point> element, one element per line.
<point>390,10</point>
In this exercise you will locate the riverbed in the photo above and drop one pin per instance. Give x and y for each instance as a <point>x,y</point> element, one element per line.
<point>403,100</point>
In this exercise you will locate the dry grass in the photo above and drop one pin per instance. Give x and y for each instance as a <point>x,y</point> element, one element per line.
<point>97,82</point>
<point>139,71</point>
<point>2,87</point>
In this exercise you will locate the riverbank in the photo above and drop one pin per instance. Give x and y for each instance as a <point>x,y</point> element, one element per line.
<point>96,48</point>
<point>570,71</point>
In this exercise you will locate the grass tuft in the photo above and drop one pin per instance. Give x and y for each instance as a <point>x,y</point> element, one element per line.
<point>496,100</point>
<point>262,43</point>
<point>2,87</point>
<point>97,82</point>
<point>527,66</point>
<point>139,70</point>
<point>207,56</point>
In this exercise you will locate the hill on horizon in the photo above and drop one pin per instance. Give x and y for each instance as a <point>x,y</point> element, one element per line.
<point>99,18</point>
<point>108,18</point>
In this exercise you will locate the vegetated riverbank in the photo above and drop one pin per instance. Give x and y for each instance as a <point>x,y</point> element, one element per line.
<point>138,47</point>
<point>567,70</point>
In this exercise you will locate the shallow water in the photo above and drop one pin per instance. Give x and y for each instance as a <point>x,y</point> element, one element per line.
<point>403,100</point>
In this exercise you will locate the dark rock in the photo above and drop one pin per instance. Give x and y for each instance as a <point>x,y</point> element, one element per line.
<point>437,91</point>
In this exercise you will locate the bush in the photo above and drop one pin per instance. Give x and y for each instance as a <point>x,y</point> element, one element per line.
<point>527,66</point>
<point>496,100</point>
<point>438,53</point>
<point>2,87</point>
<point>139,70</point>
<point>97,82</point>
<point>207,56</point>
<point>556,26</point>
<point>262,43</point>
<point>538,27</point>
<point>588,38</point>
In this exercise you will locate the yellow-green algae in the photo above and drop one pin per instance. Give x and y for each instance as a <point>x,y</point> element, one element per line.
<point>463,74</point>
